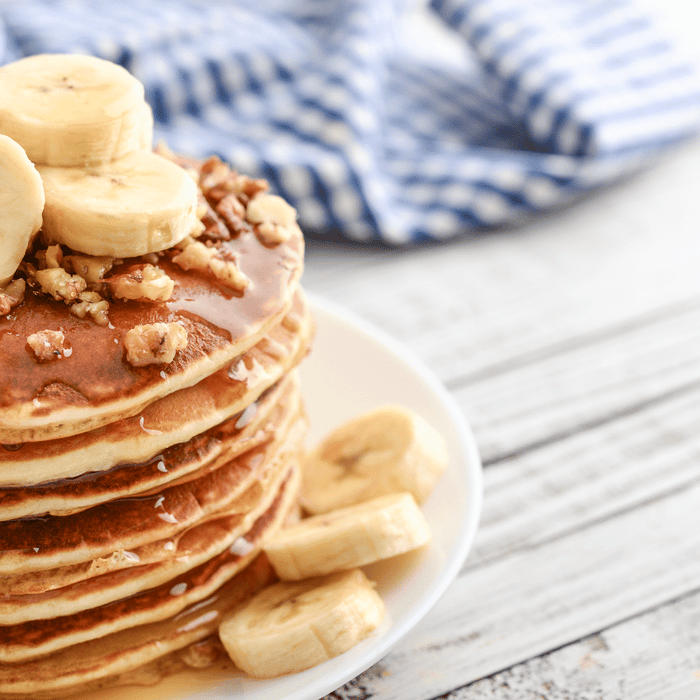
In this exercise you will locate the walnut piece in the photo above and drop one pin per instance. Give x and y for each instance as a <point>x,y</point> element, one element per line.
<point>49,345</point>
<point>217,179</point>
<point>219,262</point>
<point>154,343</point>
<point>92,304</point>
<point>233,213</point>
<point>92,268</point>
<point>142,283</point>
<point>59,284</point>
<point>274,217</point>
<point>11,295</point>
<point>50,257</point>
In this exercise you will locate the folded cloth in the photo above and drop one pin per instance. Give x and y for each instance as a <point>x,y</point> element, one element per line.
<point>369,138</point>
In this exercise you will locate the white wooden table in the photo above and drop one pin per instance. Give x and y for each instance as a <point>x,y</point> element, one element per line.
<point>572,344</point>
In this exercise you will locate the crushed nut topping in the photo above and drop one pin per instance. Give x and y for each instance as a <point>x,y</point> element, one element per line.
<point>49,345</point>
<point>92,268</point>
<point>154,343</point>
<point>92,304</point>
<point>50,258</point>
<point>141,283</point>
<point>212,227</point>
<point>232,211</point>
<point>217,180</point>
<point>11,295</point>
<point>59,284</point>
<point>219,262</point>
<point>274,217</point>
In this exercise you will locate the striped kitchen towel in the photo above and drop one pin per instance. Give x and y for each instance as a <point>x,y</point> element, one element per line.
<point>363,121</point>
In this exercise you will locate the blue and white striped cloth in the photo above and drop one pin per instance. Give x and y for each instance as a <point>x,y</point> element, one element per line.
<point>369,138</point>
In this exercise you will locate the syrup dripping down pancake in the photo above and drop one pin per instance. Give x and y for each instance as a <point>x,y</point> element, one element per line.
<point>32,544</point>
<point>153,563</point>
<point>36,638</point>
<point>174,419</point>
<point>96,385</point>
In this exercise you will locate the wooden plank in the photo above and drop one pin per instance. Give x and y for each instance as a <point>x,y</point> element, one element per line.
<point>591,476</point>
<point>651,657</point>
<point>575,537</point>
<point>536,600</point>
<point>584,385</point>
<point>473,308</point>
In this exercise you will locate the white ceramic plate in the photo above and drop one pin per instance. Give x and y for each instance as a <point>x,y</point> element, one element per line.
<point>354,367</point>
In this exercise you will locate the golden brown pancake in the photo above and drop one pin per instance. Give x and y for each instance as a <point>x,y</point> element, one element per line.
<point>154,563</point>
<point>173,419</point>
<point>35,638</point>
<point>96,385</point>
<point>134,499</point>
<point>247,429</point>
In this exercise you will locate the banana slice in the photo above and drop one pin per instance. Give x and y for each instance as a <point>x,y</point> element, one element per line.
<point>139,204</point>
<point>21,204</point>
<point>386,450</point>
<point>348,537</point>
<point>73,110</point>
<point>289,627</point>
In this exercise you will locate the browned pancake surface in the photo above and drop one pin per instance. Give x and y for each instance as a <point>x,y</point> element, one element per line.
<point>34,638</point>
<point>35,397</point>
<point>172,419</point>
<point>247,429</point>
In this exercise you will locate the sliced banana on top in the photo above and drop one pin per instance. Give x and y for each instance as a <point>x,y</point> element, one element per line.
<point>289,627</point>
<point>72,110</point>
<point>348,537</point>
<point>139,204</point>
<point>387,450</point>
<point>21,204</point>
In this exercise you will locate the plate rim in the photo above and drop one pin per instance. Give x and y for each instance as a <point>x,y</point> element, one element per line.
<point>468,523</point>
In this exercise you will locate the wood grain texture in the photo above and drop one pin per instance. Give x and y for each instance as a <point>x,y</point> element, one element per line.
<point>571,342</point>
<point>573,347</point>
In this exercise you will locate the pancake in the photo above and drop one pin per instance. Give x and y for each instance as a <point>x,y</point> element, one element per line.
<point>95,385</point>
<point>142,465</point>
<point>247,429</point>
<point>86,665</point>
<point>33,544</point>
<point>174,419</point>
<point>155,563</point>
<point>180,547</point>
<point>33,639</point>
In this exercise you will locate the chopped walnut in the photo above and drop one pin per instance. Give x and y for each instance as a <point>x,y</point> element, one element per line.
<point>92,304</point>
<point>92,268</point>
<point>11,295</point>
<point>49,345</point>
<point>212,227</point>
<point>273,216</point>
<point>154,343</point>
<point>141,283</point>
<point>50,258</point>
<point>220,263</point>
<point>59,284</point>
<point>232,211</point>
<point>217,180</point>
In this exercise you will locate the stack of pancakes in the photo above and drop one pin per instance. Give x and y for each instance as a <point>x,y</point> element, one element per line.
<point>133,500</point>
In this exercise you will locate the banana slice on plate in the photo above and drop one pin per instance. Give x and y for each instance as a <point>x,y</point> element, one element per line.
<point>348,537</point>
<point>21,205</point>
<point>385,450</point>
<point>289,627</point>
<point>139,204</point>
<point>73,110</point>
